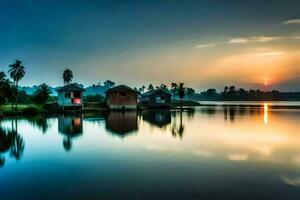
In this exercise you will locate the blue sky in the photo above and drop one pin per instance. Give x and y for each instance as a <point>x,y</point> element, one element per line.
<point>142,42</point>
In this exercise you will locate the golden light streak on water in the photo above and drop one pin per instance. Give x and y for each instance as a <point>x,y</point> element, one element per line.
<point>266,113</point>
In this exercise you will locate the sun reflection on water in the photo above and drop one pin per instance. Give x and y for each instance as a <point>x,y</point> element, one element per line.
<point>266,113</point>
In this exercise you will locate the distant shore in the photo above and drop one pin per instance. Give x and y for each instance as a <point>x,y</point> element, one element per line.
<point>31,109</point>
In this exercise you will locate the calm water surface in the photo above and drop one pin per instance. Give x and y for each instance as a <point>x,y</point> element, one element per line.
<point>222,152</point>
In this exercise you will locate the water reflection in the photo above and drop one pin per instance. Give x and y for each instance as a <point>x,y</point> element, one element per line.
<point>71,127</point>
<point>159,118</point>
<point>266,113</point>
<point>39,121</point>
<point>121,123</point>
<point>178,128</point>
<point>213,141</point>
<point>10,141</point>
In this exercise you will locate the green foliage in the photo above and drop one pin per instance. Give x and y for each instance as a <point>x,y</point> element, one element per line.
<point>30,110</point>
<point>6,92</point>
<point>109,84</point>
<point>24,98</point>
<point>190,92</point>
<point>42,94</point>
<point>94,98</point>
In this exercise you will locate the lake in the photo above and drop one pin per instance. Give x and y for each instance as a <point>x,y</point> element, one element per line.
<point>212,152</point>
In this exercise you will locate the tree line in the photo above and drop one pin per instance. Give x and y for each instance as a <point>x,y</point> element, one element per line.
<point>9,90</point>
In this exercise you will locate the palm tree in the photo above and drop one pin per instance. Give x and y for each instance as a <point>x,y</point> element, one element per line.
<point>142,89</point>
<point>150,87</point>
<point>181,93</point>
<point>17,72</point>
<point>67,76</point>
<point>174,88</point>
<point>42,94</point>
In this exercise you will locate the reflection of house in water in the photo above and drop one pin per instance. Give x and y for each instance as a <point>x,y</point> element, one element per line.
<point>158,118</point>
<point>122,123</point>
<point>70,127</point>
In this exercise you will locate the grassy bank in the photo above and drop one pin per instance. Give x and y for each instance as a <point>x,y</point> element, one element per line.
<point>28,109</point>
<point>22,109</point>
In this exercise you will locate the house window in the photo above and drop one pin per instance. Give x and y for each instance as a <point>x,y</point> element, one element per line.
<point>67,94</point>
<point>77,94</point>
<point>160,99</point>
<point>122,94</point>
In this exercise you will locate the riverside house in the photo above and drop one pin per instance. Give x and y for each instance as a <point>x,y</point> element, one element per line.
<point>70,96</point>
<point>156,99</point>
<point>122,97</point>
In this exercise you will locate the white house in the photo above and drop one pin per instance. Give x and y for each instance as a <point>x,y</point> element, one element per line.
<point>70,95</point>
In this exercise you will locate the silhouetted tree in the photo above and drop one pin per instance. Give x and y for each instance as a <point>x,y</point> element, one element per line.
<point>162,86</point>
<point>109,83</point>
<point>142,89</point>
<point>181,93</point>
<point>174,88</point>
<point>190,92</point>
<point>67,76</point>
<point>2,76</point>
<point>42,94</point>
<point>16,72</point>
<point>6,92</point>
<point>150,87</point>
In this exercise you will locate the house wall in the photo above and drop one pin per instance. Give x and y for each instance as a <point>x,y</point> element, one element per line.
<point>115,101</point>
<point>63,101</point>
<point>152,99</point>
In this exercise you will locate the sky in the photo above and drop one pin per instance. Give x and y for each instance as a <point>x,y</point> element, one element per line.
<point>205,44</point>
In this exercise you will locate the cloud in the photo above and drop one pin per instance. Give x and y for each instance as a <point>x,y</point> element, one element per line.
<point>294,181</point>
<point>238,157</point>
<point>274,53</point>
<point>202,46</point>
<point>264,38</point>
<point>204,153</point>
<point>237,40</point>
<point>292,21</point>
<point>253,39</point>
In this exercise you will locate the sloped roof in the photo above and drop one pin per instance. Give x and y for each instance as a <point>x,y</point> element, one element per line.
<point>71,87</point>
<point>152,92</point>
<point>121,87</point>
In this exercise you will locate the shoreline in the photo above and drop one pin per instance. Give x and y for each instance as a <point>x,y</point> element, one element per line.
<point>187,106</point>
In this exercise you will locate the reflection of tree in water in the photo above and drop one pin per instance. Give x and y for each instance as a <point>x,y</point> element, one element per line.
<point>190,113</point>
<point>70,127</point>
<point>178,130</point>
<point>12,142</point>
<point>39,121</point>
<point>121,123</point>
<point>209,110</point>
<point>231,111</point>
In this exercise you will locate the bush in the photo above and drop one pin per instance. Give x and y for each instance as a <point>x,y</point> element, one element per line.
<point>31,110</point>
<point>94,98</point>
